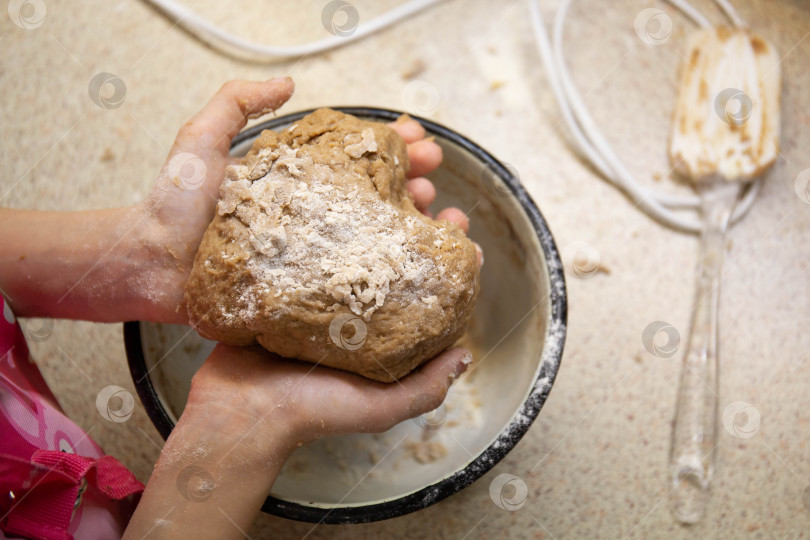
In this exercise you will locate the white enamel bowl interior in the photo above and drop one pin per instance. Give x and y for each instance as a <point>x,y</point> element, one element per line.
<point>506,335</point>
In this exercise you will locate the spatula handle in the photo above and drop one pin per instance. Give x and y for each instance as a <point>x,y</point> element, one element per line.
<point>694,434</point>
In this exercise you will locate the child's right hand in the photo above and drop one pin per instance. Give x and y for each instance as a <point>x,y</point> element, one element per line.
<point>247,411</point>
<point>266,401</point>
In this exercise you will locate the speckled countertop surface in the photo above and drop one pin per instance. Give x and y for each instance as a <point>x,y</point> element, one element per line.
<point>595,460</point>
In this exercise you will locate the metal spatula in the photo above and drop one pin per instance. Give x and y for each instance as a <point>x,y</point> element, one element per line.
<point>725,134</point>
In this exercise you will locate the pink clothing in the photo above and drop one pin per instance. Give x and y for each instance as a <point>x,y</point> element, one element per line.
<point>55,482</point>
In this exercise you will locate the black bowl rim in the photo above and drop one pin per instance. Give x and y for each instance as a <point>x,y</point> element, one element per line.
<point>513,432</point>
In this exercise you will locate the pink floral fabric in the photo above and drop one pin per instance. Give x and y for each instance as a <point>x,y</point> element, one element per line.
<point>55,481</point>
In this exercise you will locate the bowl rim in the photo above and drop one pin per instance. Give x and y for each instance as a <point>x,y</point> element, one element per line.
<point>549,363</point>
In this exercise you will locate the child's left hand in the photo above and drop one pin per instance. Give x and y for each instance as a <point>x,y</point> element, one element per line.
<point>132,263</point>
<point>184,198</point>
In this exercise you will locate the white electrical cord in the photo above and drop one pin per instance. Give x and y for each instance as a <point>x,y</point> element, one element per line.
<point>205,29</point>
<point>687,9</point>
<point>731,13</point>
<point>593,145</point>
<point>587,136</point>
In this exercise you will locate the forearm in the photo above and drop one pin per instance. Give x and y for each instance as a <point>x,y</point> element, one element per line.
<point>210,481</point>
<point>96,265</point>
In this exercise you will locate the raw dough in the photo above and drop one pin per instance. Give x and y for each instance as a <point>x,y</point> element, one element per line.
<point>318,253</point>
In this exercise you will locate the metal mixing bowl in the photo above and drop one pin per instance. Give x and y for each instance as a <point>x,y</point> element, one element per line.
<point>517,336</point>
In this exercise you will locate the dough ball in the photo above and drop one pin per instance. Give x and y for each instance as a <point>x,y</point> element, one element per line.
<point>317,252</point>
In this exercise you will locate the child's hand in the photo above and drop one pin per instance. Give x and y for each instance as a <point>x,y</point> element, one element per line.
<point>271,402</point>
<point>247,411</point>
<point>132,263</point>
<point>184,198</point>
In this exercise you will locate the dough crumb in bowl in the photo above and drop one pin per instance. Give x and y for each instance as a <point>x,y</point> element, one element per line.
<point>426,451</point>
<point>317,252</point>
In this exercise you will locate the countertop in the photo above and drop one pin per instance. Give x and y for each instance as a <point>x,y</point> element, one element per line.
<point>594,462</point>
